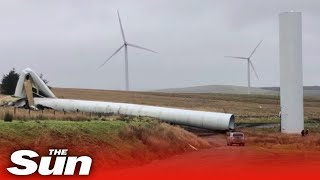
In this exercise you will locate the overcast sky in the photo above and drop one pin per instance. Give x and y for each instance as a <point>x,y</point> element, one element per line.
<point>67,40</point>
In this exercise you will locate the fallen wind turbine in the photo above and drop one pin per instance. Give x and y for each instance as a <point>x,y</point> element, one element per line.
<point>125,46</point>
<point>31,92</point>
<point>249,62</point>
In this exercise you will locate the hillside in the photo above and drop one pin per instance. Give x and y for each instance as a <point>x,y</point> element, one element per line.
<point>228,89</point>
<point>307,90</point>
<point>224,89</point>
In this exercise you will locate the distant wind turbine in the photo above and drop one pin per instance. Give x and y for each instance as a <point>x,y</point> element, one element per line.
<point>249,64</point>
<point>125,46</point>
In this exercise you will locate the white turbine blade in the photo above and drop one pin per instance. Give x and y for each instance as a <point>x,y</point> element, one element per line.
<point>111,56</point>
<point>122,32</point>
<point>235,57</point>
<point>253,69</point>
<point>139,47</point>
<point>255,49</point>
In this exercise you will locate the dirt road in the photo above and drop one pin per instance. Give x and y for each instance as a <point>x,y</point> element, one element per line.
<point>222,161</point>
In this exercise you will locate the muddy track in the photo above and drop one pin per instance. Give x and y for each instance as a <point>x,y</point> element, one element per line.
<point>221,160</point>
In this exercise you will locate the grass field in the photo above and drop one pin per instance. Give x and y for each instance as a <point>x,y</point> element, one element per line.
<point>253,108</point>
<point>271,139</point>
<point>247,109</point>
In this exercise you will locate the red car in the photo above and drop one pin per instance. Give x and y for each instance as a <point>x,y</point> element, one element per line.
<point>235,138</point>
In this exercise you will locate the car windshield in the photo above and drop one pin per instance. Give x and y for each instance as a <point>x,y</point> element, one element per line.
<point>238,135</point>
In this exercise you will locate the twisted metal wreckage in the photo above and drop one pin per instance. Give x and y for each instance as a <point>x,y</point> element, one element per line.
<point>33,93</point>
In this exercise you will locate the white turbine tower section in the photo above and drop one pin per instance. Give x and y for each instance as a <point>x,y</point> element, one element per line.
<point>200,119</point>
<point>37,83</point>
<point>291,82</point>
<point>249,63</point>
<point>125,46</point>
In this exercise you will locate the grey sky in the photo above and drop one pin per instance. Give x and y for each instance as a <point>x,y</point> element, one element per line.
<point>68,39</point>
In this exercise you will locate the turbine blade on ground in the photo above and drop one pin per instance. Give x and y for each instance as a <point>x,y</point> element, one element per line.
<point>253,69</point>
<point>139,47</point>
<point>255,49</point>
<point>122,32</point>
<point>112,55</point>
<point>235,57</point>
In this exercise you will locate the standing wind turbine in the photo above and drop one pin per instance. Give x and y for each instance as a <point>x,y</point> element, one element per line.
<point>125,45</point>
<point>249,64</point>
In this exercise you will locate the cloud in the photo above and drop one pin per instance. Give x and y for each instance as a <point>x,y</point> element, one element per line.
<point>68,39</point>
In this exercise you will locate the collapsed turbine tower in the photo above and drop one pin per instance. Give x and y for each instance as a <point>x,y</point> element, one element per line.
<point>32,92</point>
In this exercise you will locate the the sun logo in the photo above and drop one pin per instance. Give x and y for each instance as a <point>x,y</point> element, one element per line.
<point>63,165</point>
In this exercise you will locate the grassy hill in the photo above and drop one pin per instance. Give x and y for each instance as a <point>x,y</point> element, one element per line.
<point>307,90</point>
<point>137,140</point>
<point>228,89</point>
<point>224,89</point>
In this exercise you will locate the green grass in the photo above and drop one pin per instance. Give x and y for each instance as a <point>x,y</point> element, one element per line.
<point>26,132</point>
<point>127,140</point>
